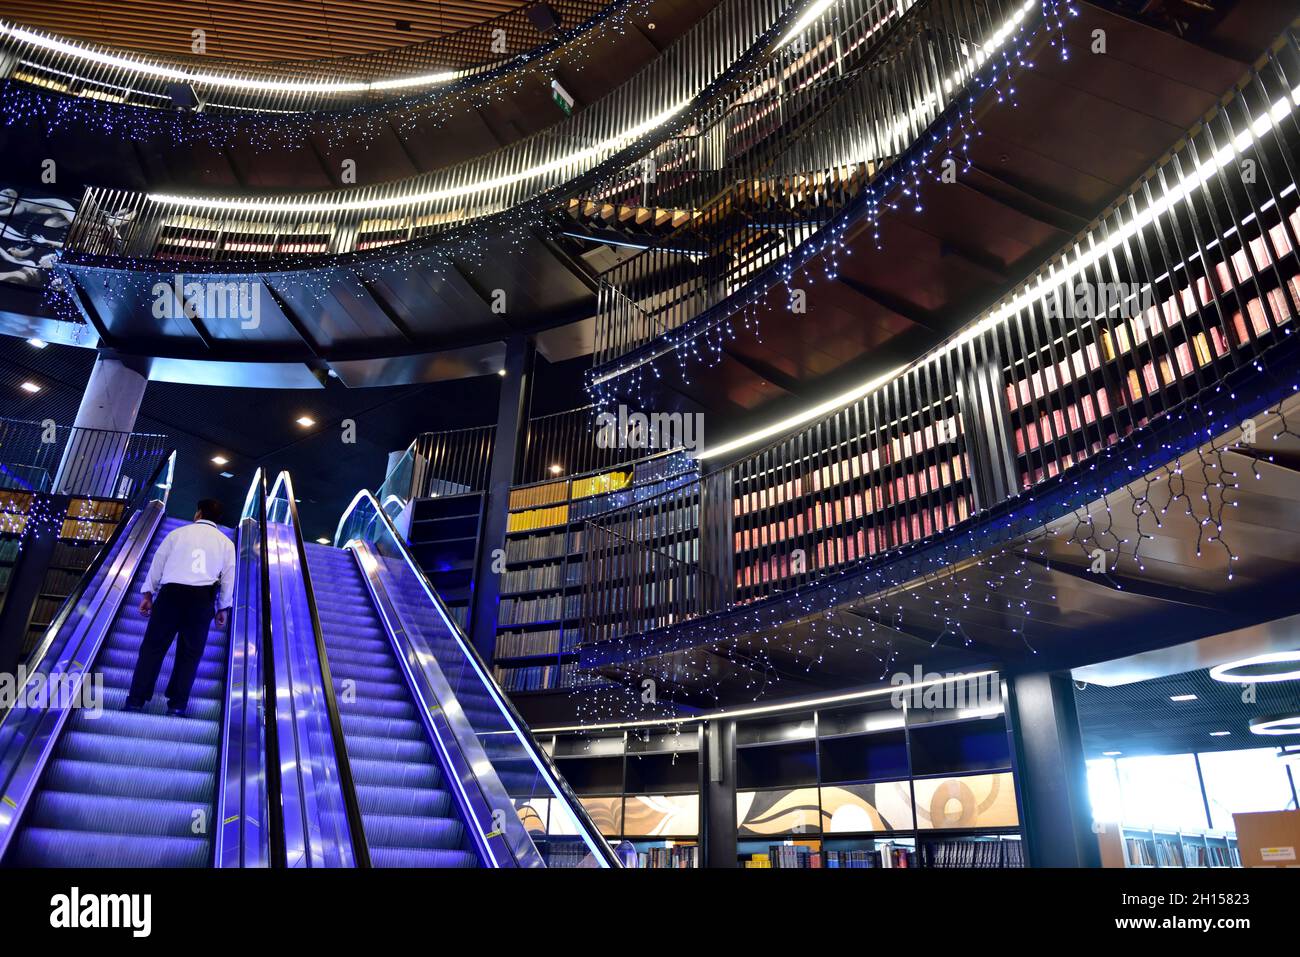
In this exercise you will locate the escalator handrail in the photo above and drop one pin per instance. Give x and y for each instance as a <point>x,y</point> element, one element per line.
<point>262,849</point>
<point>481,791</point>
<point>546,767</point>
<point>134,509</point>
<point>360,849</point>
<point>30,749</point>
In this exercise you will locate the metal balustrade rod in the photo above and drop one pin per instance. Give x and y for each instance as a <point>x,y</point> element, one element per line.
<point>1194,275</point>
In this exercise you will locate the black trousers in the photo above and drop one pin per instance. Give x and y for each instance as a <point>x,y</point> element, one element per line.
<point>184,610</point>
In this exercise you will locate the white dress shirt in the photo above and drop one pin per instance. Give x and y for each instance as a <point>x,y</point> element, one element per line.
<point>197,554</point>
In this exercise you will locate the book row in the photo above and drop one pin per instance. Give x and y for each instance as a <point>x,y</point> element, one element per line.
<point>683,855</point>
<point>973,854</point>
<point>524,611</point>
<point>521,644</point>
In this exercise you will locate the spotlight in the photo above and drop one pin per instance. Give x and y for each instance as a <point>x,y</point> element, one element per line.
<point>306,421</point>
<point>220,460</point>
<point>557,469</point>
<point>37,343</point>
<point>31,388</point>
<point>322,541</point>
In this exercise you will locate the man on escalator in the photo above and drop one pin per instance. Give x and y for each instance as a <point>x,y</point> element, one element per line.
<point>192,576</point>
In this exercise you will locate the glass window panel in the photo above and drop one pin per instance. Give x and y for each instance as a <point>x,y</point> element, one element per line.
<point>1253,779</point>
<point>1162,791</point>
<point>1103,791</point>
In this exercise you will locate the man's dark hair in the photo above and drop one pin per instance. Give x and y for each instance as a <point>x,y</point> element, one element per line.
<point>210,509</point>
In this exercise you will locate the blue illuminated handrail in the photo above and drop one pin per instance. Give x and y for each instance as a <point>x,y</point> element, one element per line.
<point>366,522</point>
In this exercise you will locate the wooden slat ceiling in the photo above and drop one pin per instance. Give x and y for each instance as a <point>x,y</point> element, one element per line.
<point>257,30</point>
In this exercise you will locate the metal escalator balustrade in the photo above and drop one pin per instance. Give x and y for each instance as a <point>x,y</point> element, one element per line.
<point>319,815</point>
<point>407,809</point>
<point>97,786</point>
<point>499,771</point>
<point>125,788</point>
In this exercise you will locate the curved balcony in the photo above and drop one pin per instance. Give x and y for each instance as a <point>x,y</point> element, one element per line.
<point>762,76</point>
<point>1153,332</point>
<point>487,51</point>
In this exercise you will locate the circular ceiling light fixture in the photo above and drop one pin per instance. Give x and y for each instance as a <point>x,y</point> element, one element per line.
<point>1274,666</point>
<point>1276,724</point>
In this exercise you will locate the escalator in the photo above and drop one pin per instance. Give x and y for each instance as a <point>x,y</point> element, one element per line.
<point>84,783</point>
<point>407,811</point>
<point>436,768</point>
<point>130,789</point>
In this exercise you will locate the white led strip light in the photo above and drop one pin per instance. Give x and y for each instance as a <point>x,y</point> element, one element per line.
<point>429,196</point>
<point>56,45</point>
<point>1041,290</point>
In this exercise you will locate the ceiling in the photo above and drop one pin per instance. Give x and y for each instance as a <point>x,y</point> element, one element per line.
<point>1139,718</point>
<point>259,30</point>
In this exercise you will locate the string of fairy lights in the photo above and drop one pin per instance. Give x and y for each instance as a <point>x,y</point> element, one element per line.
<point>699,345</point>
<point>361,122</point>
<point>997,568</point>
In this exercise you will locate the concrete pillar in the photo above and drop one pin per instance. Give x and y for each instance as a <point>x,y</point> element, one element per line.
<point>1052,775</point>
<point>97,446</point>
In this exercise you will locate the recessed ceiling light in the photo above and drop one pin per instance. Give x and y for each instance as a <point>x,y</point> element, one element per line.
<point>1182,697</point>
<point>227,474</point>
<point>30,387</point>
<point>323,541</point>
<point>306,421</point>
<point>501,373</point>
<point>220,460</point>
<point>557,469</point>
<point>1220,734</point>
<point>37,343</point>
<point>1274,666</point>
<point>1111,754</point>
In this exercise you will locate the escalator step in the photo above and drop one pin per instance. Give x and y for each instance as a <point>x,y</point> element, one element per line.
<point>45,847</point>
<point>87,812</point>
<point>388,800</point>
<point>420,857</point>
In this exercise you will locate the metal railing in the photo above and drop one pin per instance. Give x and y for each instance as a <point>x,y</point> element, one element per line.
<point>822,134</point>
<point>69,460</point>
<point>592,151</point>
<point>1189,278</point>
<point>131,77</point>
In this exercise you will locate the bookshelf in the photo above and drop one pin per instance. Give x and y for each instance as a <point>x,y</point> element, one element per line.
<point>444,535</point>
<point>1070,398</point>
<point>637,786</point>
<point>1147,847</point>
<point>878,785</point>
<point>540,615</point>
